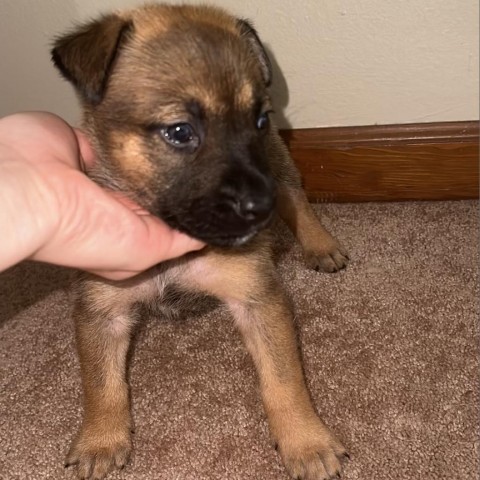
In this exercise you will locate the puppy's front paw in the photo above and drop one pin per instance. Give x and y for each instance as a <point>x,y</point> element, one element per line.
<point>98,449</point>
<point>327,258</point>
<point>312,453</point>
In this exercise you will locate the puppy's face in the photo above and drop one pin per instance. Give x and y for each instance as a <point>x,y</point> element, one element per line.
<point>175,99</point>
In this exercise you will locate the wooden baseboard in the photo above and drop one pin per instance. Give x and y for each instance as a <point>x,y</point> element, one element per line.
<point>425,161</point>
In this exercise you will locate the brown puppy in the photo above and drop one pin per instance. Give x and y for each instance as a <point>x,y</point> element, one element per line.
<point>176,104</point>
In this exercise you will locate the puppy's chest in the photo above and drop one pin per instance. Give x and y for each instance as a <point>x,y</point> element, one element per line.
<point>174,289</point>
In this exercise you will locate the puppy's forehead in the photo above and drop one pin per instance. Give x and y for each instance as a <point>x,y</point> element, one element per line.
<point>153,20</point>
<point>196,51</point>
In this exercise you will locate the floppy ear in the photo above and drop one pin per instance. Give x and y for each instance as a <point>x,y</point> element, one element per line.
<point>86,56</point>
<point>250,34</point>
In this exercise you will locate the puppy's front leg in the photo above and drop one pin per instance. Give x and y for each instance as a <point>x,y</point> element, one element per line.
<point>103,326</point>
<point>321,250</point>
<point>309,450</point>
<point>247,284</point>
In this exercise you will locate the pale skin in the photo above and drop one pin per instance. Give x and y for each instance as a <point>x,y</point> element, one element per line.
<point>50,211</point>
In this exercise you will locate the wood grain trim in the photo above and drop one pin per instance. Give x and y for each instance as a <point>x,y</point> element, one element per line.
<point>410,134</point>
<point>434,161</point>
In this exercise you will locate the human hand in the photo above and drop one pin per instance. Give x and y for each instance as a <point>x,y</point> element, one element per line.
<point>52,212</point>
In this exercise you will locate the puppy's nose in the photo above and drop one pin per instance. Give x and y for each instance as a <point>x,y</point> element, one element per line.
<point>254,208</point>
<point>247,195</point>
<point>252,205</point>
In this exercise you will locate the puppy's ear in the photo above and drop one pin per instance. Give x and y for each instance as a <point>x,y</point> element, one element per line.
<point>86,56</point>
<point>250,34</point>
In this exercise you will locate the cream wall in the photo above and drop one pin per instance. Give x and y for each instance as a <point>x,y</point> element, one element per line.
<point>346,62</point>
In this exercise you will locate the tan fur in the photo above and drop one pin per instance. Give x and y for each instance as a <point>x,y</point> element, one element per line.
<point>243,278</point>
<point>133,165</point>
<point>244,97</point>
<point>157,18</point>
<point>321,250</point>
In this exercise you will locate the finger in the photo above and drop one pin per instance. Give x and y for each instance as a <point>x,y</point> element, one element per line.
<point>147,241</point>
<point>115,275</point>
<point>158,243</point>
<point>87,154</point>
<point>128,202</point>
<point>179,245</point>
<point>103,235</point>
<point>48,137</point>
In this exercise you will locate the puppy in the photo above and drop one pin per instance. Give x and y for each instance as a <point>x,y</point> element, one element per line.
<point>176,103</point>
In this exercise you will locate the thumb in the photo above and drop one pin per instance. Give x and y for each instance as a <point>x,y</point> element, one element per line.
<point>156,244</point>
<point>159,242</point>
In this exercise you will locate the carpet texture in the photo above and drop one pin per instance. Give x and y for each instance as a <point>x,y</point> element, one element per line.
<point>390,350</point>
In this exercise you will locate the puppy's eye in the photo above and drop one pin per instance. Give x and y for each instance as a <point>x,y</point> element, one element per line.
<point>262,121</point>
<point>180,134</point>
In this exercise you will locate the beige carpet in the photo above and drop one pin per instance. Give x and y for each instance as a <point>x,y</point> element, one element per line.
<point>390,349</point>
